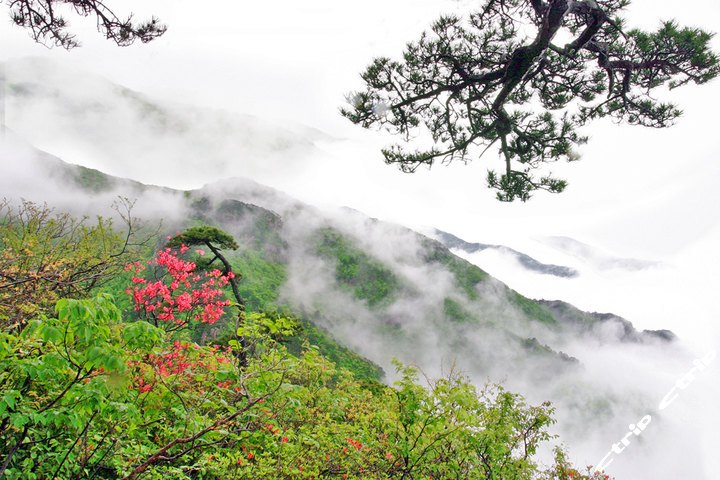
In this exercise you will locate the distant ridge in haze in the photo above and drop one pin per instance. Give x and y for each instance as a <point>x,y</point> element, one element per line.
<point>453,242</point>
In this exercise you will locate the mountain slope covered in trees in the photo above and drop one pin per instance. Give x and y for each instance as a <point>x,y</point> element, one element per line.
<point>123,358</point>
<point>379,289</point>
<point>365,292</point>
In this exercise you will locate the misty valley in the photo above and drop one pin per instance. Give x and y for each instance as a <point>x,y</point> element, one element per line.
<point>233,331</point>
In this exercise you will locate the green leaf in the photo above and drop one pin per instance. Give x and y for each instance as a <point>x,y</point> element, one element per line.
<point>9,399</point>
<point>19,420</point>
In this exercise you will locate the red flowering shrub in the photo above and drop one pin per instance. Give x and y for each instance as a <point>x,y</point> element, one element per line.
<point>189,364</point>
<point>178,294</point>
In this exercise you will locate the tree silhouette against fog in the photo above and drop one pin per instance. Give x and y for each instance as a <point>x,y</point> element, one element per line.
<point>45,21</point>
<point>525,75</point>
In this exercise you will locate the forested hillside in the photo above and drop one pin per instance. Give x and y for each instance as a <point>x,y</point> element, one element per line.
<point>194,286</point>
<point>121,357</point>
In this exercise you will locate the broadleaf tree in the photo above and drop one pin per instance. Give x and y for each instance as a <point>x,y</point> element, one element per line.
<point>524,76</point>
<point>89,392</point>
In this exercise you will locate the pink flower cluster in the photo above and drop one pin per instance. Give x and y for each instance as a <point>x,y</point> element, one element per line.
<point>179,294</point>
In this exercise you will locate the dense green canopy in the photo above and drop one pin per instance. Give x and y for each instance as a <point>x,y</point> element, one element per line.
<point>204,235</point>
<point>89,390</point>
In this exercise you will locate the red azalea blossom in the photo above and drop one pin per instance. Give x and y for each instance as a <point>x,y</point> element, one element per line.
<point>143,387</point>
<point>354,443</point>
<point>180,295</point>
<point>183,358</point>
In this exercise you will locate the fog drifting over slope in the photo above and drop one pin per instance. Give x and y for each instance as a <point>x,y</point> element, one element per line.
<point>678,293</point>
<point>628,380</point>
<point>617,384</point>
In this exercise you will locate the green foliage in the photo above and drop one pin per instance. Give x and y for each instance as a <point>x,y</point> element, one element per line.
<point>564,470</point>
<point>91,180</point>
<point>344,358</point>
<point>261,227</point>
<point>64,390</point>
<point>467,275</point>
<point>261,281</point>
<point>204,235</point>
<point>502,78</point>
<point>532,309</point>
<point>260,327</point>
<point>365,276</point>
<point>454,311</point>
<point>46,255</point>
<point>84,394</point>
<point>117,285</point>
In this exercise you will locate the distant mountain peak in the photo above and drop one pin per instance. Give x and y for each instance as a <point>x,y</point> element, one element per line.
<point>454,242</point>
<point>594,255</point>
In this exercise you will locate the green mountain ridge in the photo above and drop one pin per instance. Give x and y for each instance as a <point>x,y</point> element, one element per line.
<point>531,264</point>
<point>380,289</point>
